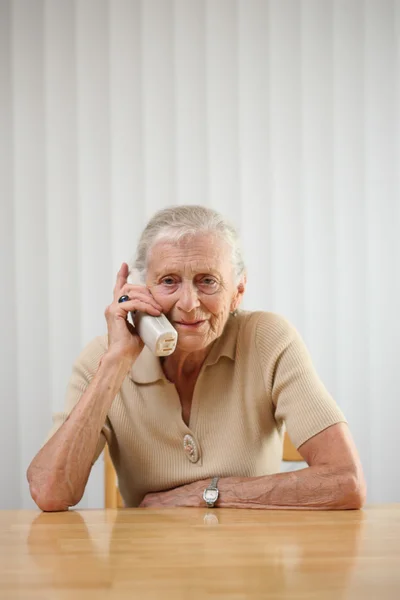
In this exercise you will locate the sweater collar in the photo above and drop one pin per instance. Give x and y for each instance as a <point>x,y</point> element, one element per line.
<point>147,367</point>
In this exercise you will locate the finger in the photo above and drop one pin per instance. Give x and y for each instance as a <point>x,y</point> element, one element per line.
<point>137,304</point>
<point>122,277</point>
<point>140,294</point>
<point>131,290</point>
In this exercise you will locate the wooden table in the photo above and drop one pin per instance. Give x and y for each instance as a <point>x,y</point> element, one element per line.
<point>194,553</point>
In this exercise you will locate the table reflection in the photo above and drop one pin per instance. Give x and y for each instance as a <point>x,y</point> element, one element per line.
<point>246,553</point>
<point>68,551</point>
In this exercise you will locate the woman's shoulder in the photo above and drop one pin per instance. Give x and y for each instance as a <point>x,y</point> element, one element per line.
<point>266,330</point>
<point>265,323</point>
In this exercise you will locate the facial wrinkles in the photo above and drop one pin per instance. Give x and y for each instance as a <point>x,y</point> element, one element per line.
<point>187,262</point>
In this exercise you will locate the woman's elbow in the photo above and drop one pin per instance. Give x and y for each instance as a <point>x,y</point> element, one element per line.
<point>48,495</point>
<point>355,492</point>
<point>50,504</point>
<point>46,501</point>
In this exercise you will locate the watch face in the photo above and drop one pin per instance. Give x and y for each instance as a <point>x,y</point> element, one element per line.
<point>211,495</point>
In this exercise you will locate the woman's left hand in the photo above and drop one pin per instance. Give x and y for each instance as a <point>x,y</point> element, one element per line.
<point>186,495</point>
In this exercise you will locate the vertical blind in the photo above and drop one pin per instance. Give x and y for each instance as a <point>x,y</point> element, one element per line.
<point>282,114</point>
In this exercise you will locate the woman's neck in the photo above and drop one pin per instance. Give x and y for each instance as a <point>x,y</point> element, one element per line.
<point>182,365</point>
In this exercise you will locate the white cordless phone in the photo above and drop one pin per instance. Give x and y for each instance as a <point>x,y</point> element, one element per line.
<point>156,332</point>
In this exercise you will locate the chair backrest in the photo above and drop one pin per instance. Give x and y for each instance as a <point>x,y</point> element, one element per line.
<point>113,499</point>
<point>290,453</point>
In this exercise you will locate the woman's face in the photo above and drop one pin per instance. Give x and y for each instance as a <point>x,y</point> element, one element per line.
<point>193,281</point>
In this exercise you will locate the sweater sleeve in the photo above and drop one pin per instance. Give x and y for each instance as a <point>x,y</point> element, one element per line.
<point>83,371</point>
<point>298,395</point>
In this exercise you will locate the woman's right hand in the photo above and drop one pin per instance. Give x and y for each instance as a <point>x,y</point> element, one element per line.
<point>122,338</point>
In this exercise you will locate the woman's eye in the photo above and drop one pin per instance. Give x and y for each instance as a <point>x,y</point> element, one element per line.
<point>208,285</point>
<point>209,281</point>
<point>168,281</point>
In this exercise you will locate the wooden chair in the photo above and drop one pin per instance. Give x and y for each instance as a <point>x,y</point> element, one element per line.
<point>290,454</point>
<point>113,498</point>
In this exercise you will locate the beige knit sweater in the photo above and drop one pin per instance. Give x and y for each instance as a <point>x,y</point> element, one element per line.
<point>257,377</point>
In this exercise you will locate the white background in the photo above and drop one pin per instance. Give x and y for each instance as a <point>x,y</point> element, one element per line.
<point>283,114</point>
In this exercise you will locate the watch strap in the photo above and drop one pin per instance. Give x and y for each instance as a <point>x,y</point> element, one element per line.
<point>214,488</point>
<point>213,484</point>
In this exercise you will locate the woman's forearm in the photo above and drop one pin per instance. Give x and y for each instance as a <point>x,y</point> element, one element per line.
<point>59,472</point>
<point>322,487</point>
<point>319,487</point>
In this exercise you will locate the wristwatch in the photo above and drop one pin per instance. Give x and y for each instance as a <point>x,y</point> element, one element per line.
<point>211,493</point>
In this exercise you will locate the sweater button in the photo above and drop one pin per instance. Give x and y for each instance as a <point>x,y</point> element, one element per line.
<point>191,449</point>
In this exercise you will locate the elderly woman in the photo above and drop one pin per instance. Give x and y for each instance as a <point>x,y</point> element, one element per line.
<point>205,424</point>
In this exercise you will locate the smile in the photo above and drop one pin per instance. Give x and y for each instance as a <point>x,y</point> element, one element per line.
<point>189,325</point>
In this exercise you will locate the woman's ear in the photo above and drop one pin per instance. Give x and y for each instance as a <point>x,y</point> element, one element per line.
<point>240,289</point>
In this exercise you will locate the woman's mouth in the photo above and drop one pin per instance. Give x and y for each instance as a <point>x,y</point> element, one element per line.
<point>189,324</point>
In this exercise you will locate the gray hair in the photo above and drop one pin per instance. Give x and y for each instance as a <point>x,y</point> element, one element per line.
<point>178,222</point>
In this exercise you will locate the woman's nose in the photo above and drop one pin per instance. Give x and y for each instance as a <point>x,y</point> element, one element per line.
<point>188,298</point>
